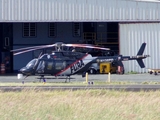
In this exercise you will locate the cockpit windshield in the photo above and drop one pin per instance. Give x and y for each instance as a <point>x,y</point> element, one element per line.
<point>31,63</point>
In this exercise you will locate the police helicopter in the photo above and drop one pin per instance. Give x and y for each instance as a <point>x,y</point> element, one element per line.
<point>67,63</point>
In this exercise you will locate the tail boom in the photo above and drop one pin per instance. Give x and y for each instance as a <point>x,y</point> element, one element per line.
<point>138,57</point>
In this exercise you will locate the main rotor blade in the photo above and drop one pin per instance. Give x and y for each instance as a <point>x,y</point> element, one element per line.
<point>41,46</point>
<point>32,50</point>
<point>86,46</point>
<point>28,49</point>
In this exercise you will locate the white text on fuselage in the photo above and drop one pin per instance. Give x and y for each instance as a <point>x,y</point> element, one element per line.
<point>77,66</point>
<point>106,60</point>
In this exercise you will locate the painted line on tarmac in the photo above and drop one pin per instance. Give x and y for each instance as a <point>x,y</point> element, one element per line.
<point>87,87</point>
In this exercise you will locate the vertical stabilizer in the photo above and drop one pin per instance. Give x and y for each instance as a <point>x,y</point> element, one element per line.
<point>141,50</point>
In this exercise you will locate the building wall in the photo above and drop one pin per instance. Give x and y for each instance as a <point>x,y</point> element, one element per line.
<point>132,35</point>
<point>63,33</point>
<point>78,10</point>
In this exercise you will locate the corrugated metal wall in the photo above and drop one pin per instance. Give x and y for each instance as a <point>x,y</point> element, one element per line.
<point>131,38</point>
<point>78,10</point>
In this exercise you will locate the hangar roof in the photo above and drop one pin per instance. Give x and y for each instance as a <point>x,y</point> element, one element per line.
<point>79,10</point>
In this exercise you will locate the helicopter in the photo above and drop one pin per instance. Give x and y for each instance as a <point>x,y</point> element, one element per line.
<point>66,63</point>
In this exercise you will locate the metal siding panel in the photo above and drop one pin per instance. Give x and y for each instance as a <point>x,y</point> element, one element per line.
<point>46,10</point>
<point>122,6</point>
<point>107,14</point>
<point>1,10</point>
<point>5,10</point>
<point>49,10</point>
<point>24,10</point>
<point>42,10</point>
<point>29,10</point>
<point>113,10</point>
<point>73,9</point>
<point>98,15</point>
<point>90,9</point>
<point>158,13</point>
<point>98,10</point>
<point>54,10</point>
<point>152,11</point>
<point>125,11</point>
<point>19,10</point>
<point>141,11</point>
<point>78,10</point>
<point>133,11</point>
<point>59,7</point>
<point>35,4</point>
<point>133,35</point>
<point>110,6</point>
<point>32,10</point>
<point>11,10</point>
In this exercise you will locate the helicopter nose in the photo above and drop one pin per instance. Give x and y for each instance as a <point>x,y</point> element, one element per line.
<point>25,70</point>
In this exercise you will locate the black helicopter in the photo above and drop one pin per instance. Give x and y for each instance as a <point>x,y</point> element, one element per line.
<point>67,63</point>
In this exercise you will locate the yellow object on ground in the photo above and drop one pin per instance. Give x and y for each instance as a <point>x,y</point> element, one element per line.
<point>107,67</point>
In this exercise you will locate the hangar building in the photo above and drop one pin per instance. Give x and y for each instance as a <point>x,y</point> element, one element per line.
<point>122,25</point>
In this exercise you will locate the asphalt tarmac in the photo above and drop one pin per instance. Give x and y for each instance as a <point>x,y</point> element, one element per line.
<point>137,78</point>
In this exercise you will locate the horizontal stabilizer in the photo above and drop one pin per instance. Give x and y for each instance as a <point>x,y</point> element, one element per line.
<point>141,64</point>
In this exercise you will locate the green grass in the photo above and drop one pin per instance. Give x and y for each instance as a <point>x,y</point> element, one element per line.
<point>133,72</point>
<point>79,105</point>
<point>78,83</point>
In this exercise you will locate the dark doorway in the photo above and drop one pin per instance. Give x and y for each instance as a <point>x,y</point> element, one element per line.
<point>6,39</point>
<point>113,36</point>
<point>1,40</point>
<point>88,27</point>
<point>89,34</point>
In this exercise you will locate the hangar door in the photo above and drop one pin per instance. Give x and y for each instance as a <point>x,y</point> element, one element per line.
<point>132,35</point>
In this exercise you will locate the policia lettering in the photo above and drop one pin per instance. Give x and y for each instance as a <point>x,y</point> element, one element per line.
<point>75,67</point>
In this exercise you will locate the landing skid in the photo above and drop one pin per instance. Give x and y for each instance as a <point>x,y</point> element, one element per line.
<point>24,79</point>
<point>43,78</point>
<point>67,78</point>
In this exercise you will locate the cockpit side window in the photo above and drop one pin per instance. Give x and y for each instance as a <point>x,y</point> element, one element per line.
<point>31,63</point>
<point>41,66</point>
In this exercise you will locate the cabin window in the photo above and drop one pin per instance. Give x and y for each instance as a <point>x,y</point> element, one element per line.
<point>29,29</point>
<point>59,65</point>
<point>50,65</point>
<point>76,29</point>
<point>52,29</point>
